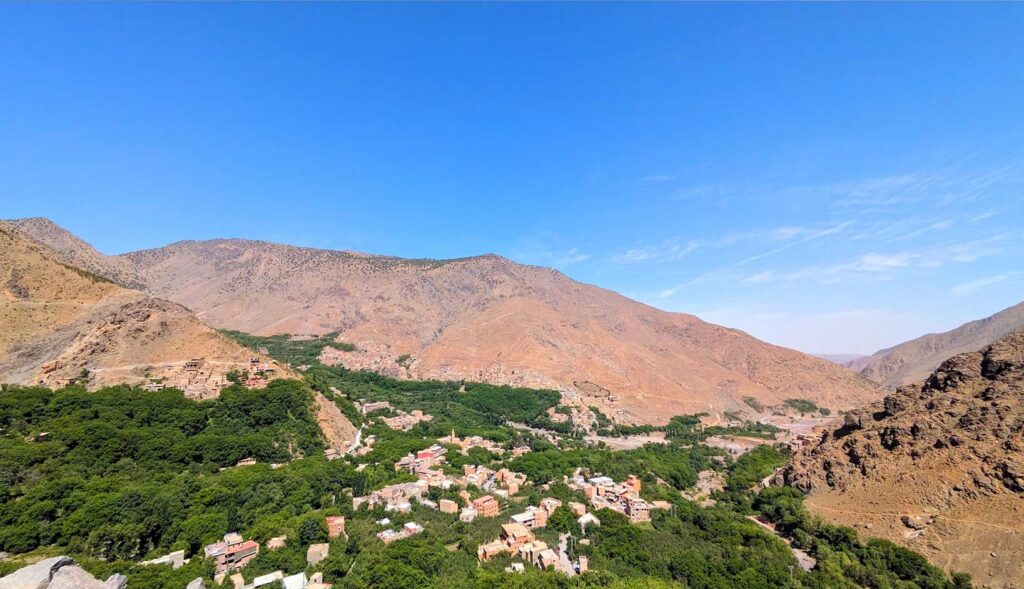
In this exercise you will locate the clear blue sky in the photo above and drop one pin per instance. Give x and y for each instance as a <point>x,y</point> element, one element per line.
<point>832,177</point>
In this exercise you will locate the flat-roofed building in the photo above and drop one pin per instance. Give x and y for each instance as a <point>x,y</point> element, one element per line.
<point>486,506</point>
<point>335,526</point>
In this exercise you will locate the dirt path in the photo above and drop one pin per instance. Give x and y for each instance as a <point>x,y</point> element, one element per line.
<point>806,561</point>
<point>900,514</point>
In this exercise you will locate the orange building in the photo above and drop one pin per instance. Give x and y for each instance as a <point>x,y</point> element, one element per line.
<point>335,526</point>
<point>486,506</point>
<point>633,483</point>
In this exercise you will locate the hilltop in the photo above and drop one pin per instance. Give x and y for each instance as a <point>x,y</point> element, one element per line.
<point>936,466</point>
<point>489,319</point>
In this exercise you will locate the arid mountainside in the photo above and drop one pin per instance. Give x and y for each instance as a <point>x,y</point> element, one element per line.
<point>914,360</point>
<point>937,467</point>
<point>72,250</point>
<point>487,318</point>
<point>59,322</point>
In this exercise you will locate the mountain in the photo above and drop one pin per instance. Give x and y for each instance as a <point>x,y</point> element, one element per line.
<point>60,323</point>
<point>488,318</point>
<point>937,467</point>
<point>912,361</point>
<point>73,251</point>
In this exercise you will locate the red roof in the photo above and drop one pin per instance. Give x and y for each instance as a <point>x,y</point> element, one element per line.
<point>247,545</point>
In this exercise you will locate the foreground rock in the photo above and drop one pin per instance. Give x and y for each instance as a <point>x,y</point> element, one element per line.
<point>937,467</point>
<point>59,572</point>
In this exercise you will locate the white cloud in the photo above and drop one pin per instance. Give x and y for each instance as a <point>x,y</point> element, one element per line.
<point>885,262</point>
<point>573,256</point>
<point>974,286</point>
<point>669,250</point>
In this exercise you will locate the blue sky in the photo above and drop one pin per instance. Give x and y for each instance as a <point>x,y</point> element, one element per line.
<point>831,177</point>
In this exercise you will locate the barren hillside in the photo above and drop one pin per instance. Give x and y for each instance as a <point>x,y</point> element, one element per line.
<point>59,322</point>
<point>487,318</point>
<point>912,361</point>
<point>72,250</point>
<point>936,467</point>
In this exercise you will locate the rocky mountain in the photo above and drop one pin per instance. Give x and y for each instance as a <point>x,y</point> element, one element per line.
<point>60,323</point>
<point>488,318</point>
<point>912,361</point>
<point>937,467</point>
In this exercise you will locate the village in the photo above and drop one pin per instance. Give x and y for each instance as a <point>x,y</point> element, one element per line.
<point>202,378</point>
<point>481,492</point>
<point>466,493</point>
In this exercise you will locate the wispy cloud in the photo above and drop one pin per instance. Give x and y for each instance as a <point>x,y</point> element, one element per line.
<point>967,179</point>
<point>669,250</point>
<point>677,248</point>
<point>873,266</point>
<point>795,238</point>
<point>548,248</point>
<point>974,286</point>
<point>655,178</point>
<point>573,256</point>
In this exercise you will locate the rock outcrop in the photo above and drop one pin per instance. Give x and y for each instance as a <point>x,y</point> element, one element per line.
<point>338,430</point>
<point>937,466</point>
<point>59,572</point>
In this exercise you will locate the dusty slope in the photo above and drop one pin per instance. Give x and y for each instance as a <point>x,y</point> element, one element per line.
<point>70,249</point>
<point>948,453</point>
<point>491,319</point>
<point>56,320</point>
<point>913,361</point>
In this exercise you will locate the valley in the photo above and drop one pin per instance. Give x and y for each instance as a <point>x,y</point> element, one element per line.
<point>342,454</point>
<point>626,510</point>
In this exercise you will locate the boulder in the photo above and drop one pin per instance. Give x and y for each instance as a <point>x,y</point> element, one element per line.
<point>35,576</point>
<point>59,572</point>
<point>913,523</point>
<point>196,583</point>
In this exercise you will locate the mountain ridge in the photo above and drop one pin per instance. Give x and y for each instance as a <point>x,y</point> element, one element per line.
<point>61,324</point>
<point>489,318</point>
<point>913,360</point>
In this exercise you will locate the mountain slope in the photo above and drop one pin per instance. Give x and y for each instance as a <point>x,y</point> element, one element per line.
<point>58,322</point>
<point>912,361</point>
<point>487,318</point>
<point>936,467</point>
<point>72,250</point>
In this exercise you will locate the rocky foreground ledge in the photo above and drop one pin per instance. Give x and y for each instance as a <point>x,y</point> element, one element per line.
<point>59,572</point>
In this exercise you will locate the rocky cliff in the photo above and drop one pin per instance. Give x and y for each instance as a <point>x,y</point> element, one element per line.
<point>938,466</point>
